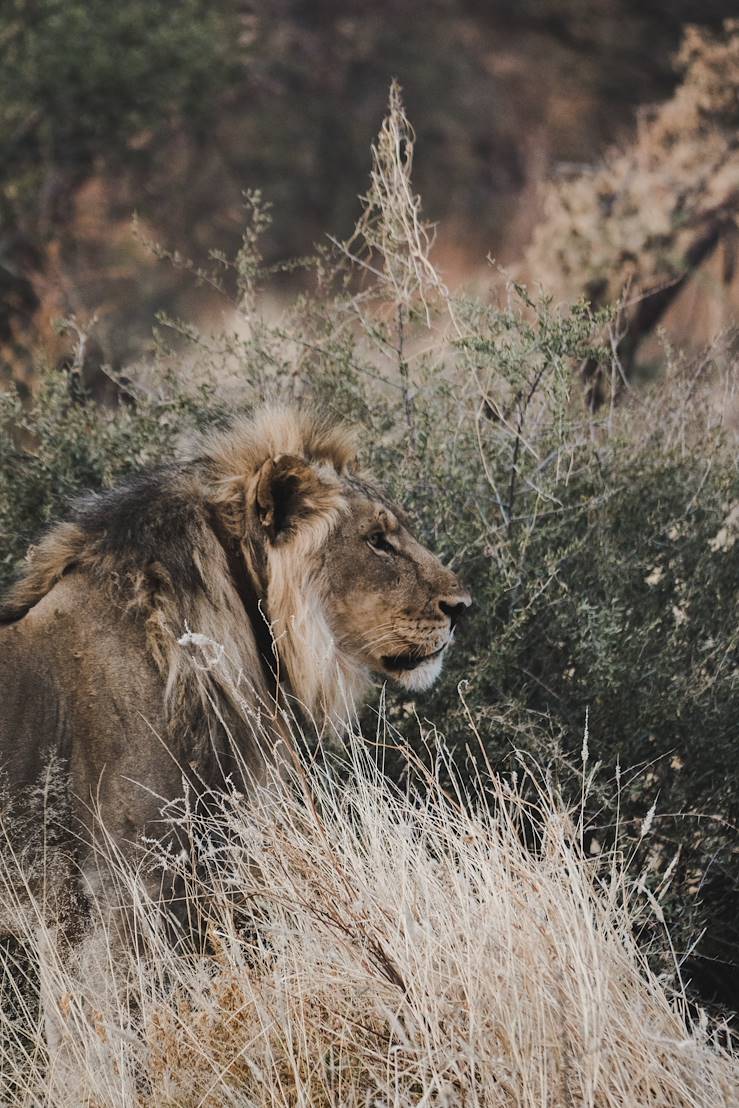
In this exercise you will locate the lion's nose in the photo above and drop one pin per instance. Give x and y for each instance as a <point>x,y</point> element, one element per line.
<point>455,606</point>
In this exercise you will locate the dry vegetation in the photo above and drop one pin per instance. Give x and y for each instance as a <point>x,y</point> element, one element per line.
<point>650,214</point>
<point>369,944</point>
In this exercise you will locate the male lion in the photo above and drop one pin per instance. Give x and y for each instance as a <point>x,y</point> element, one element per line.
<point>272,552</point>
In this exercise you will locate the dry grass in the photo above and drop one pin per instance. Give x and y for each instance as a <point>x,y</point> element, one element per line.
<point>371,946</point>
<point>391,242</point>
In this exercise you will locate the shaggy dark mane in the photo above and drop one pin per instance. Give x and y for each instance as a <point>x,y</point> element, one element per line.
<point>148,523</point>
<point>151,533</point>
<point>141,534</point>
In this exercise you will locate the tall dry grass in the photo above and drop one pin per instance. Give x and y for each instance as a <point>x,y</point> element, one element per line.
<point>369,945</point>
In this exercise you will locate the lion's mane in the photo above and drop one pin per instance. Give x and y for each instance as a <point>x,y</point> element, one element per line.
<point>232,622</point>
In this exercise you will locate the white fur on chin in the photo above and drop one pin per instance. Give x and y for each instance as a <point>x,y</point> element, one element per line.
<point>423,676</point>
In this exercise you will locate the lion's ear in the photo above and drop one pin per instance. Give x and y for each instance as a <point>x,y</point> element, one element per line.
<point>288,492</point>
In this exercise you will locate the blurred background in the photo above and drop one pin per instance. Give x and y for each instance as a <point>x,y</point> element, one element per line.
<point>170,110</point>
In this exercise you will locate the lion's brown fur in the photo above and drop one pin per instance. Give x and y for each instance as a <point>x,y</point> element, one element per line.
<point>173,624</point>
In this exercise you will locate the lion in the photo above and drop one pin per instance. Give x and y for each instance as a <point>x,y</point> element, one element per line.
<point>170,626</point>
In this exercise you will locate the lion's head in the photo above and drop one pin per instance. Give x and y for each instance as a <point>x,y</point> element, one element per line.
<point>391,601</point>
<point>346,584</point>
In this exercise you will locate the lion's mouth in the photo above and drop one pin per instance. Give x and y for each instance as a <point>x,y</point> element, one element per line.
<point>403,663</point>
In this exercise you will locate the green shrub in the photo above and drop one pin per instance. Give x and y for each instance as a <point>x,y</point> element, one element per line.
<point>79,79</point>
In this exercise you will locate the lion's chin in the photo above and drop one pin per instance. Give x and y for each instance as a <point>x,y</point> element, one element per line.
<point>421,676</point>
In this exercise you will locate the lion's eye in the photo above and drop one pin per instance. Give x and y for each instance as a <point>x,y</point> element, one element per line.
<point>378,541</point>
